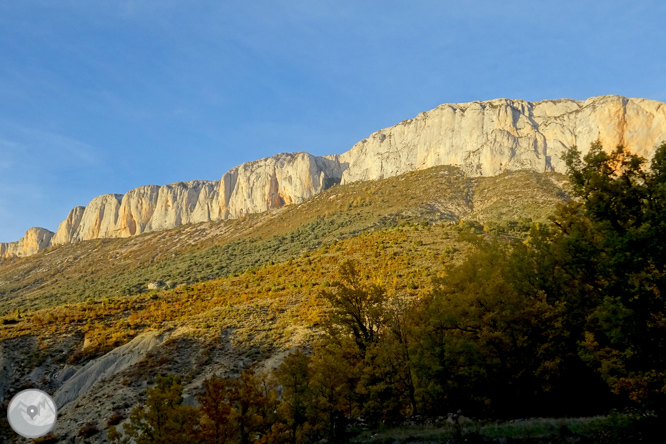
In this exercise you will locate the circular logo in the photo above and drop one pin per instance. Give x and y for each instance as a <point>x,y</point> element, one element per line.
<point>32,413</point>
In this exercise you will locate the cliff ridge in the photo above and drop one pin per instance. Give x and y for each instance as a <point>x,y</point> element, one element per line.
<point>482,138</point>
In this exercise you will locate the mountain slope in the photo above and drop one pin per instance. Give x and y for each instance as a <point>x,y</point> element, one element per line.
<point>482,138</point>
<point>195,252</point>
<point>93,322</point>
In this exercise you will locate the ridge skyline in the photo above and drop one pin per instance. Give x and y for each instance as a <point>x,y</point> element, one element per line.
<point>482,137</point>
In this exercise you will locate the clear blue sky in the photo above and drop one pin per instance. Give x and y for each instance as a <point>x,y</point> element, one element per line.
<point>103,96</point>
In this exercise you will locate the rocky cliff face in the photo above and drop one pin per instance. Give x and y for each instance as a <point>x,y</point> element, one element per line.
<point>68,227</point>
<point>252,187</point>
<point>483,138</point>
<point>36,239</point>
<point>488,138</point>
<point>270,183</point>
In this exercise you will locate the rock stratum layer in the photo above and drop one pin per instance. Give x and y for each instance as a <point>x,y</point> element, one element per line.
<point>483,138</point>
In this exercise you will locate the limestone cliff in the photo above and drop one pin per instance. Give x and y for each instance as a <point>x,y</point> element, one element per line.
<point>275,181</point>
<point>68,227</point>
<point>181,203</point>
<point>487,138</point>
<point>483,138</point>
<point>36,239</point>
<point>252,187</point>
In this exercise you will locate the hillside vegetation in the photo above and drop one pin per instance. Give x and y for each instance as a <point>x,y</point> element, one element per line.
<point>110,267</point>
<point>569,320</point>
<point>217,298</point>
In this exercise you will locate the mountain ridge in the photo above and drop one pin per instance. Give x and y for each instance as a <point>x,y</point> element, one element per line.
<point>93,322</point>
<point>483,138</point>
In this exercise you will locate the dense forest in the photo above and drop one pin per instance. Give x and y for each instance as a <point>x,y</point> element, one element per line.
<point>570,321</point>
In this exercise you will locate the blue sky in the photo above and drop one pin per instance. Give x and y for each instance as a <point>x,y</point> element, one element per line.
<point>103,96</point>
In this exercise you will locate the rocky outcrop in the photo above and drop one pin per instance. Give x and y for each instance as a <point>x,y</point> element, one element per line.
<point>99,218</point>
<point>248,188</point>
<point>488,138</point>
<point>269,183</point>
<point>36,239</point>
<point>483,138</point>
<point>136,210</point>
<point>183,203</point>
<point>113,362</point>
<point>68,227</point>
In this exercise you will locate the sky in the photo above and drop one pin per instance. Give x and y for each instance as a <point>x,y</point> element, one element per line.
<point>101,97</point>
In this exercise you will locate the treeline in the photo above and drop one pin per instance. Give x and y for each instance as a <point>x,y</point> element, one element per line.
<point>571,321</point>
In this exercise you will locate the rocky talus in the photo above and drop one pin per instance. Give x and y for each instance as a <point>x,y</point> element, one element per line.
<point>483,138</point>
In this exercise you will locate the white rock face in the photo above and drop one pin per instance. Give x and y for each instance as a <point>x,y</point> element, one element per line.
<point>181,203</point>
<point>136,209</point>
<point>68,227</point>
<point>113,362</point>
<point>272,182</point>
<point>99,218</point>
<point>249,188</point>
<point>488,138</point>
<point>36,239</point>
<point>483,138</point>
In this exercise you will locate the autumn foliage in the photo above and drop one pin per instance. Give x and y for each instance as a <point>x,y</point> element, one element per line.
<point>568,321</point>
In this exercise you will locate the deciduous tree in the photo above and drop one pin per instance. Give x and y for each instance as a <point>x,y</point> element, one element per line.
<point>163,419</point>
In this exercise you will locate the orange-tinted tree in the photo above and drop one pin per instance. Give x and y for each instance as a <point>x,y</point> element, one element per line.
<point>163,419</point>
<point>357,306</point>
<point>215,409</point>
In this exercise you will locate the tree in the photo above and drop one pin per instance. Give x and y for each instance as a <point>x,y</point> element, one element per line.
<point>333,380</point>
<point>357,307</point>
<point>395,352</point>
<point>294,377</point>
<point>482,346</point>
<point>163,420</point>
<point>254,399</point>
<point>562,264</point>
<point>377,358</point>
<point>215,409</point>
<point>624,203</point>
<point>237,410</point>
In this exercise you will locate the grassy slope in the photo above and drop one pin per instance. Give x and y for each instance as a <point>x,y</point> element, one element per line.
<point>218,326</point>
<point>402,231</point>
<point>249,288</point>
<point>111,267</point>
<point>403,259</point>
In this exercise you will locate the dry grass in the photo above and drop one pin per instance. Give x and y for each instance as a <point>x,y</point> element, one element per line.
<point>403,259</point>
<point>531,430</point>
<point>101,268</point>
<point>232,293</point>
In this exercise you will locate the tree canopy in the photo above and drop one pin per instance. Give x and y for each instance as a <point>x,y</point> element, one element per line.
<point>567,321</point>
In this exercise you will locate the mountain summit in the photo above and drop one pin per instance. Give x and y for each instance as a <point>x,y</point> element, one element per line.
<point>483,138</point>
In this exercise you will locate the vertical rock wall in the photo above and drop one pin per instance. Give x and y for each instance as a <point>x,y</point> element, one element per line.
<point>483,138</point>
